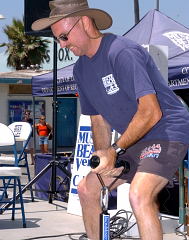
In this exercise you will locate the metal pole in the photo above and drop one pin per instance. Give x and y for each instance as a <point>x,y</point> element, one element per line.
<point>136,11</point>
<point>34,133</point>
<point>54,140</point>
<point>157,5</point>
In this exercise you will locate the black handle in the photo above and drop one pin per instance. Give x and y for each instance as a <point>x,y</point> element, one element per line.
<point>95,161</point>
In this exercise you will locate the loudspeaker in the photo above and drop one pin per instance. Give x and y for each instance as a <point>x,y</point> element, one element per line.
<point>168,199</point>
<point>33,10</point>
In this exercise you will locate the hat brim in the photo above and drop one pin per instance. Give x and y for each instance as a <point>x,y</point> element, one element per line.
<point>102,19</point>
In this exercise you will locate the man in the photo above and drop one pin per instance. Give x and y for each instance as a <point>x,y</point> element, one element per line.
<point>29,147</point>
<point>121,88</point>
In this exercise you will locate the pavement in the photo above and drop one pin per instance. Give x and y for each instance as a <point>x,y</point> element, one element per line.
<point>48,221</point>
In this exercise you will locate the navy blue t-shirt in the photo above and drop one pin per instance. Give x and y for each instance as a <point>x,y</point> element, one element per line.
<point>111,82</point>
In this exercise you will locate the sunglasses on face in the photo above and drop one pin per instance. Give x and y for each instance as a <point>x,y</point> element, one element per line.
<point>64,37</point>
<point>42,118</point>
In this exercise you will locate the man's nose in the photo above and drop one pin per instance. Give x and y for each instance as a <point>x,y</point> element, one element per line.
<point>63,44</point>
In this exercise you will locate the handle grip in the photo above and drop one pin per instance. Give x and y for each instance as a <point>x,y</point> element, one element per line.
<point>95,161</point>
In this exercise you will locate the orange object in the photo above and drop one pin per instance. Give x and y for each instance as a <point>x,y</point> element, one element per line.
<point>43,130</point>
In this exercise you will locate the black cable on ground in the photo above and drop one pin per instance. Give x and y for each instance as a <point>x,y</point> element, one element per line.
<point>70,235</point>
<point>178,232</point>
<point>119,224</point>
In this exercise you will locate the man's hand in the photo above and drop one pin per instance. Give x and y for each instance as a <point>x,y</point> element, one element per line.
<point>107,163</point>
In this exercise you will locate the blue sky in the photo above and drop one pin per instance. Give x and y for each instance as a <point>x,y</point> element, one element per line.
<point>121,10</point>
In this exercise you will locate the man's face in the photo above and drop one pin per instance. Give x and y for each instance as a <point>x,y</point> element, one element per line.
<point>27,115</point>
<point>68,32</point>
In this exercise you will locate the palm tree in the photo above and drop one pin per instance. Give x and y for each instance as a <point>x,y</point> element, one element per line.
<point>136,11</point>
<point>23,50</point>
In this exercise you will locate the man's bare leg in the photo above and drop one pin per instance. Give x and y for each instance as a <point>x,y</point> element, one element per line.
<point>89,194</point>
<point>32,156</point>
<point>143,193</point>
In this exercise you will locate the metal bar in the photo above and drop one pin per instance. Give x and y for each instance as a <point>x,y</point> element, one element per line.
<point>27,186</point>
<point>181,195</point>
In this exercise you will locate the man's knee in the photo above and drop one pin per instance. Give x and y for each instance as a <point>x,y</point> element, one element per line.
<point>135,197</point>
<point>86,189</point>
<point>139,198</point>
<point>81,189</point>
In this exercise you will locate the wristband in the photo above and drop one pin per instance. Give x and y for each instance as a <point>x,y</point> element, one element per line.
<point>118,150</point>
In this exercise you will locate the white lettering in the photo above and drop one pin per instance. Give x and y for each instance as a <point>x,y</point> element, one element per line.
<point>178,82</point>
<point>185,70</point>
<point>180,39</point>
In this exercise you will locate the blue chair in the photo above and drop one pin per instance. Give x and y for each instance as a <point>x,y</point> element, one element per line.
<point>8,174</point>
<point>22,132</point>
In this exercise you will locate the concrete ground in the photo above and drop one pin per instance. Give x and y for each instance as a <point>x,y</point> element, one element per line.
<point>48,221</point>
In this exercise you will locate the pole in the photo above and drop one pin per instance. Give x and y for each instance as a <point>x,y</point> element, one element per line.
<point>34,133</point>
<point>136,11</point>
<point>157,5</point>
<point>54,140</point>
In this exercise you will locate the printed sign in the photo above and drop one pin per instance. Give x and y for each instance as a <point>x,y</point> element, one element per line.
<point>18,107</point>
<point>81,166</point>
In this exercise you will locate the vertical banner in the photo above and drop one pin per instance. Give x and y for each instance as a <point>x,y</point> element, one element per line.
<point>81,166</point>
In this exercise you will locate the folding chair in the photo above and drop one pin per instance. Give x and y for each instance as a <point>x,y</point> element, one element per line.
<point>8,173</point>
<point>22,132</point>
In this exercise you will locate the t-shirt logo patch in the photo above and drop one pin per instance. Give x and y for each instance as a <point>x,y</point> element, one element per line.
<point>151,152</point>
<point>110,84</point>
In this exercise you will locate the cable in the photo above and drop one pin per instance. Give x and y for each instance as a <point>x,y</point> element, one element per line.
<point>181,233</point>
<point>70,235</point>
<point>119,224</point>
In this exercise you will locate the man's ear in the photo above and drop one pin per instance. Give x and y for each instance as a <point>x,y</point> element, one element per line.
<point>87,22</point>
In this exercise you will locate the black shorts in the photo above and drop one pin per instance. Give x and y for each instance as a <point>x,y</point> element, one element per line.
<point>158,157</point>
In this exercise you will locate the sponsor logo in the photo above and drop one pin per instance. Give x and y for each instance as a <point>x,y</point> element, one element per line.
<point>151,152</point>
<point>180,39</point>
<point>110,84</point>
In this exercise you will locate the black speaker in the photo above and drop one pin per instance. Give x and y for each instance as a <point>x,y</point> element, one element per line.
<point>168,199</point>
<point>33,10</point>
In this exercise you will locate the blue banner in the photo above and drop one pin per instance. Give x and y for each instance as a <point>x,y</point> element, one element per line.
<point>42,85</point>
<point>155,28</point>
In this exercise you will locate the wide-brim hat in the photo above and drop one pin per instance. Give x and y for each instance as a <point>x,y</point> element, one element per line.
<point>70,8</point>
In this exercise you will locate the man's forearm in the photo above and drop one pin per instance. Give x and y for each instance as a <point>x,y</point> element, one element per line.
<point>101,131</point>
<point>146,117</point>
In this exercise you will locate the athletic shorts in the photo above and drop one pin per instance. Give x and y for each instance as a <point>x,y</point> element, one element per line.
<point>161,158</point>
<point>43,140</point>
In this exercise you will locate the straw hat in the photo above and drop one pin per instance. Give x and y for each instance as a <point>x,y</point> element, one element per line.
<point>70,8</point>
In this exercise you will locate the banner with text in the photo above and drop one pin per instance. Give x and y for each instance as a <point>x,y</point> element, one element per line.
<point>81,167</point>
